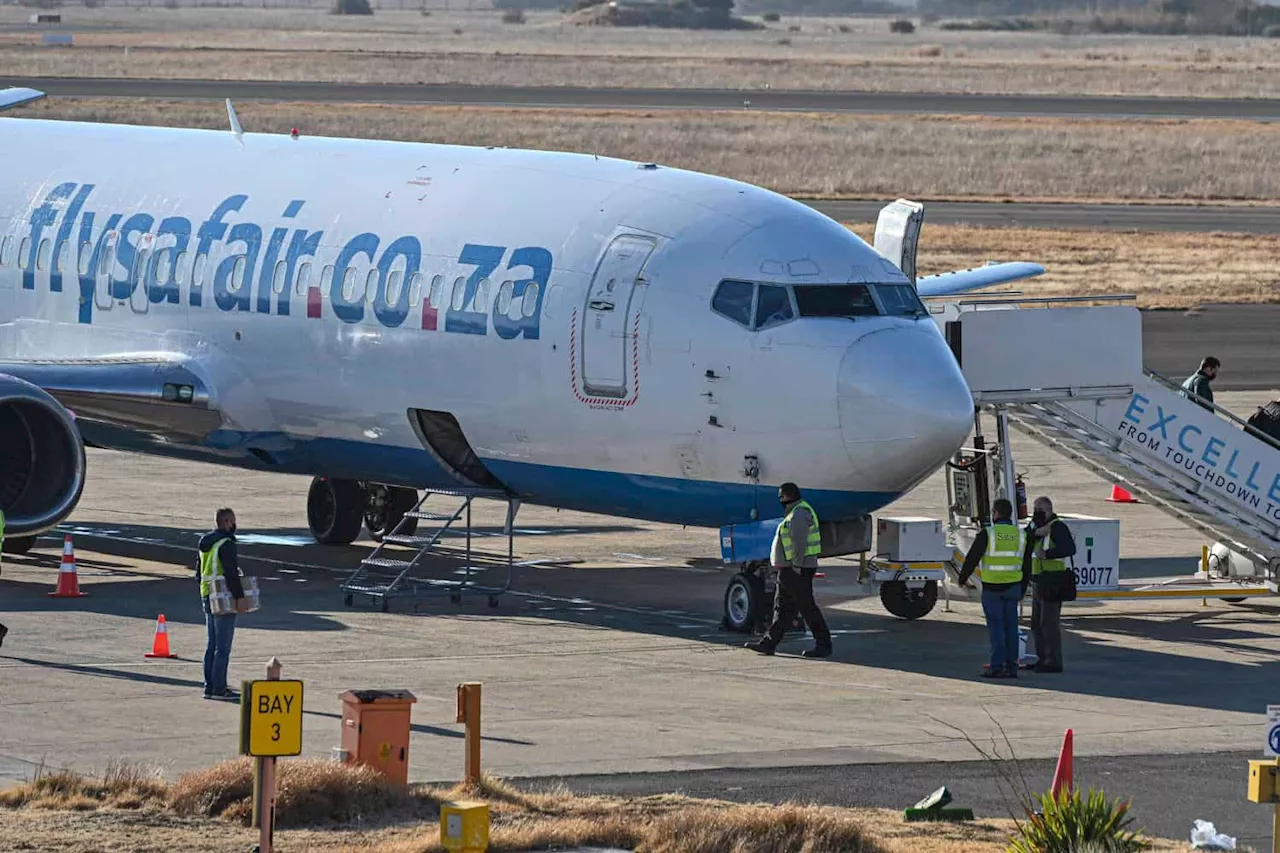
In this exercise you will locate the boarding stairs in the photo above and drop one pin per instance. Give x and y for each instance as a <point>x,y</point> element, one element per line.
<point>430,567</point>
<point>1077,386</point>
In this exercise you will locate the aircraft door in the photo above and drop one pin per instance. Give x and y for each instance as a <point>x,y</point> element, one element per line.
<point>610,315</point>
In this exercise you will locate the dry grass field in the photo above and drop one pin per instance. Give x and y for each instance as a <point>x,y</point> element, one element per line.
<point>336,808</point>
<point>1162,270</point>
<point>843,154</point>
<point>475,47</point>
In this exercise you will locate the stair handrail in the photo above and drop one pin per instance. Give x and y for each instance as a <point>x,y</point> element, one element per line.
<point>1214,407</point>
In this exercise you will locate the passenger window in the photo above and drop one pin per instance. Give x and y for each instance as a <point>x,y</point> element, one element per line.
<point>481,300</point>
<point>529,299</point>
<point>108,260</point>
<point>733,300</point>
<point>503,303</point>
<point>162,267</point>
<point>327,275</point>
<point>349,284</point>
<point>371,286</point>
<point>900,300</point>
<point>277,279</point>
<point>304,278</point>
<point>237,273</point>
<point>6,251</point>
<point>415,289</point>
<point>773,306</point>
<point>60,259</point>
<point>86,255</point>
<point>178,264</point>
<point>197,269</point>
<point>437,291</point>
<point>42,259</point>
<point>394,280</point>
<point>24,253</point>
<point>835,300</point>
<point>459,293</point>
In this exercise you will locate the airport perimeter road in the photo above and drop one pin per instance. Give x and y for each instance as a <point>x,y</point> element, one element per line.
<point>1090,217</point>
<point>700,99</point>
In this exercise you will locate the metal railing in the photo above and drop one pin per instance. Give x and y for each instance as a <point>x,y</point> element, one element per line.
<point>1214,407</point>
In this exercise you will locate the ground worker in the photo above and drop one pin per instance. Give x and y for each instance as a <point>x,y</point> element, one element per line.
<point>1050,543</point>
<point>218,560</point>
<point>796,546</point>
<point>999,550</point>
<point>3,629</point>
<point>1197,384</point>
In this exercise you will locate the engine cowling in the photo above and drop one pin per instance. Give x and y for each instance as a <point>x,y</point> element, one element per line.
<point>42,466</point>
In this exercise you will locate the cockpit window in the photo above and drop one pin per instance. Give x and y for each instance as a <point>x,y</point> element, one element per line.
<point>773,306</point>
<point>835,300</point>
<point>900,300</point>
<point>733,300</point>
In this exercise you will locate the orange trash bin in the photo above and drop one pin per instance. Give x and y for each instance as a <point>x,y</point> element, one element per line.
<point>375,730</point>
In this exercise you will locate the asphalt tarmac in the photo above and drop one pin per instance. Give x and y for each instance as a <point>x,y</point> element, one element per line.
<point>639,98</point>
<point>1243,337</point>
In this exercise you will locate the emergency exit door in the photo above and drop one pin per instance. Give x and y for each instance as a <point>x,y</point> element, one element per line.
<point>609,324</point>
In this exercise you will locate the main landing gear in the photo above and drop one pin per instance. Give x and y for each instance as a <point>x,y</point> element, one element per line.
<point>336,509</point>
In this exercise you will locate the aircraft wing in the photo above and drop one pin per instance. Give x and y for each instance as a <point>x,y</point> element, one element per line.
<point>962,281</point>
<point>16,97</point>
<point>158,394</point>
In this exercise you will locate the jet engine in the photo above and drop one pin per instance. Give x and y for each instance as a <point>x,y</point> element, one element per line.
<point>41,458</point>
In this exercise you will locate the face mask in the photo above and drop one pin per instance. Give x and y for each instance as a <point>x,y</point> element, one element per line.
<point>1039,518</point>
<point>232,530</point>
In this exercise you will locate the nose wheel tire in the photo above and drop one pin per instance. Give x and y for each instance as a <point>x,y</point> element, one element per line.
<point>385,507</point>
<point>743,603</point>
<point>335,510</point>
<point>907,603</point>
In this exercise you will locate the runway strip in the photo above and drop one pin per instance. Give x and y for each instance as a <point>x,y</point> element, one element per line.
<point>699,99</point>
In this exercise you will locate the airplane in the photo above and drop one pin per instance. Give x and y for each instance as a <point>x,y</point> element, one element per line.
<point>583,332</point>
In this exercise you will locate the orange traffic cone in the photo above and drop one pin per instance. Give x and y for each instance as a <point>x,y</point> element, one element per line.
<point>160,645</point>
<point>68,583</point>
<point>1121,496</point>
<point>1063,775</point>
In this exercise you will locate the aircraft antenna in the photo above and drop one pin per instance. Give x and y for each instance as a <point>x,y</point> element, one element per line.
<point>235,122</point>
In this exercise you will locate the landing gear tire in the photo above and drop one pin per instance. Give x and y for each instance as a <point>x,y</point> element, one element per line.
<point>335,510</point>
<point>1235,600</point>
<point>384,508</point>
<point>743,603</point>
<point>18,544</point>
<point>907,603</point>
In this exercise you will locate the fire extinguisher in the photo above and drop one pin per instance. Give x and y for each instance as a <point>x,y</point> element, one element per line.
<point>1020,491</point>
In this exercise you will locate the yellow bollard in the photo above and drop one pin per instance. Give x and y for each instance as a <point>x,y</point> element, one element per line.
<point>469,713</point>
<point>1262,789</point>
<point>464,827</point>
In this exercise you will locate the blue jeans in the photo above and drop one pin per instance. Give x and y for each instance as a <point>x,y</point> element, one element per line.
<point>217,651</point>
<point>1001,609</point>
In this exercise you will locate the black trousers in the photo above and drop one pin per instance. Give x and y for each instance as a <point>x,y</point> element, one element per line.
<point>795,593</point>
<point>1046,627</point>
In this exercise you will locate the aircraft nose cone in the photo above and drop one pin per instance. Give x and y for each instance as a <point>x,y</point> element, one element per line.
<point>904,406</point>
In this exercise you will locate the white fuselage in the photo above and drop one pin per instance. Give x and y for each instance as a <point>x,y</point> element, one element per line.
<point>559,306</point>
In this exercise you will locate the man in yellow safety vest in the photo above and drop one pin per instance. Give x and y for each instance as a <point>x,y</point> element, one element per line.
<point>218,560</point>
<point>796,546</point>
<point>998,554</point>
<point>1051,580</point>
<point>3,630</point>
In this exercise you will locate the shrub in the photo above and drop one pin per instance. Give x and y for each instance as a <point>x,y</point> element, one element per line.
<point>772,17</point>
<point>1071,823</point>
<point>352,7</point>
<point>901,25</point>
<point>513,16</point>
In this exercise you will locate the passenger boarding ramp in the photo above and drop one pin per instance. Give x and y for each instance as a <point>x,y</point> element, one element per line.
<point>1071,377</point>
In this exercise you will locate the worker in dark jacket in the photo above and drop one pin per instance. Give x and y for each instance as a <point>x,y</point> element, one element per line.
<point>1049,545</point>
<point>1197,384</point>
<point>218,566</point>
<point>998,554</point>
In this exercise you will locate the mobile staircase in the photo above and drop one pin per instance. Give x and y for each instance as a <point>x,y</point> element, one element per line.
<point>433,570</point>
<point>1071,377</point>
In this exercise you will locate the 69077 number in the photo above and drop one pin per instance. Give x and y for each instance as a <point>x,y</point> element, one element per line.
<point>1094,575</point>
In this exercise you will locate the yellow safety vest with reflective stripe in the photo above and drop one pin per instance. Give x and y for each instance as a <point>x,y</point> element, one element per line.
<point>813,545</point>
<point>210,567</point>
<point>1039,565</point>
<point>1002,561</point>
